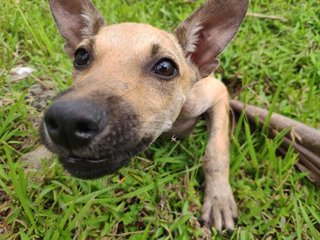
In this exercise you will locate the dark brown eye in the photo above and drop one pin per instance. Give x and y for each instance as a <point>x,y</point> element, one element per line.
<point>165,68</point>
<point>81,58</point>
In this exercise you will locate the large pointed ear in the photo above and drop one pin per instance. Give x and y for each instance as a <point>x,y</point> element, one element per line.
<point>76,20</point>
<point>208,31</point>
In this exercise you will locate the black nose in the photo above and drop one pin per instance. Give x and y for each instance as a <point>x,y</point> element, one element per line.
<point>73,124</point>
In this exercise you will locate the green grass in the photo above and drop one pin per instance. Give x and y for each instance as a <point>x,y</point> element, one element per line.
<point>159,195</point>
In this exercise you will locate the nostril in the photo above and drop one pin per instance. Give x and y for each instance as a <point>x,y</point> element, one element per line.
<point>85,130</point>
<point>56,129</point>
<point>85,127</point>
<point>52,125</point>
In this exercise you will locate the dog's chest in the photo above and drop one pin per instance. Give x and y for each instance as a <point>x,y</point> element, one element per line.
<point>182,127</point>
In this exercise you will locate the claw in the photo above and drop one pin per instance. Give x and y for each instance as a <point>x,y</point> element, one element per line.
<point>223,226</point>
<point>203,223</point>
<point>229,231</point>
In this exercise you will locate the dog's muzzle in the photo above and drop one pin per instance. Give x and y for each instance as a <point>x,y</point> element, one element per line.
<point>92,140</point>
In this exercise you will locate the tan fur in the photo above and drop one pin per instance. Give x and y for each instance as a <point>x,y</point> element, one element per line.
<point>121,60</point>
<point>129,42</point>
<point>210,96</point>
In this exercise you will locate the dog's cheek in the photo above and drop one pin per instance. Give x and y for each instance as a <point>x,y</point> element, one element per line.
<point>175,106</point>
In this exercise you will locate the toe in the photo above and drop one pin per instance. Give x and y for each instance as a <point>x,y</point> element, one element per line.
<point>217,219</point>
<point>206,212</point>
<point>233,208</point>
<point>228,219</point>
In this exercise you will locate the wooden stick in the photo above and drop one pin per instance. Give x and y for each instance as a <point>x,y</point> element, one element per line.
<point>304,139</point>
<point>264,16</point>
<point>307,136</point>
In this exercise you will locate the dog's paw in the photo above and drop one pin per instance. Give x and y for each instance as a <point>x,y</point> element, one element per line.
<point>219,208</point>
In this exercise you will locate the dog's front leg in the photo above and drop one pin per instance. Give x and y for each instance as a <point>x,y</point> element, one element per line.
<point>210,95</point>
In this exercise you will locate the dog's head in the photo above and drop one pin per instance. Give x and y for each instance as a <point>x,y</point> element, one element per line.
<point>130,81</point>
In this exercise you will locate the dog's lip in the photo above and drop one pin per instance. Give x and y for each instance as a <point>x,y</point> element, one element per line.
<point>78,160</point>
<point>85,168</point>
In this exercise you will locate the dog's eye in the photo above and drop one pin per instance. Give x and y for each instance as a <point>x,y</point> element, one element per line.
<point>81,58</point>
<point>166,69</point>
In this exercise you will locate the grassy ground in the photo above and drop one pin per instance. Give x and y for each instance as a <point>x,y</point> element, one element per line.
<point>158,196</point>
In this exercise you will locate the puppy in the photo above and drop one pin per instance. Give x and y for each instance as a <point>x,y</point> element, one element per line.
<point>134,82</point>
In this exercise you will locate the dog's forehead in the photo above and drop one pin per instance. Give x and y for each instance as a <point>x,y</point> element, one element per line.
<point>135,37</point>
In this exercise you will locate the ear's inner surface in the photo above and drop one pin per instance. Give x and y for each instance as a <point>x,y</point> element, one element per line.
<point>208,31</point>
<point>76,20</point>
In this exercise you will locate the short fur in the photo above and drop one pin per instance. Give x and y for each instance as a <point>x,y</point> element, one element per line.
<point>141,105</point>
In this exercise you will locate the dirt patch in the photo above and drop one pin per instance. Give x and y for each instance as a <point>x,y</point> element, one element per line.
<point>39,95</point>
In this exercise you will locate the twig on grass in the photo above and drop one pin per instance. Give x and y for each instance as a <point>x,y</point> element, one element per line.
<point>264,16</point>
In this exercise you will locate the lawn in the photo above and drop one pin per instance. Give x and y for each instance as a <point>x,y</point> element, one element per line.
<point>271,63</point>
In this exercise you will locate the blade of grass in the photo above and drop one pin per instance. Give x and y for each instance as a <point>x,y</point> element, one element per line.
<point>20,183</point>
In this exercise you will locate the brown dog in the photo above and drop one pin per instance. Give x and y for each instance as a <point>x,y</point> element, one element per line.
<point>133,82</point>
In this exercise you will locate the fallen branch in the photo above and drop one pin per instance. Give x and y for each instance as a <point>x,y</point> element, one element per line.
<point>304,139</point>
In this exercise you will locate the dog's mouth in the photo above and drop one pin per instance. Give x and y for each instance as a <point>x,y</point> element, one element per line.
<point>93,168</point>
<point>85,168</point>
